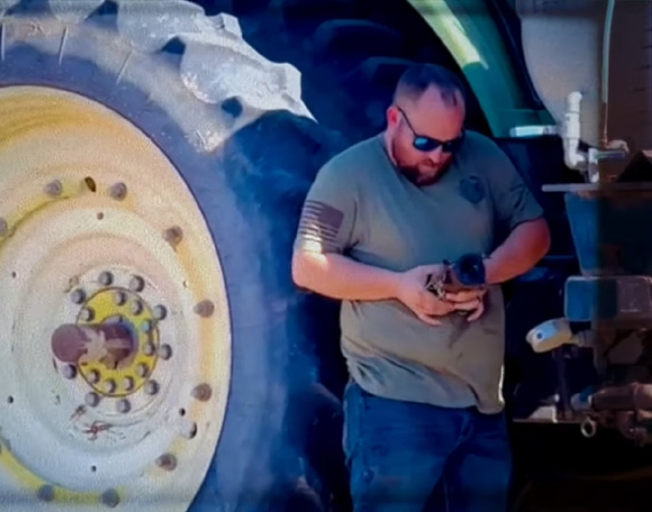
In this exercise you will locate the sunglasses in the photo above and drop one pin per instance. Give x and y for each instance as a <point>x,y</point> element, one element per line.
<point>428,144</point>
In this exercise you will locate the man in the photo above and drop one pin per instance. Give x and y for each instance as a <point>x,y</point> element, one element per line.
<point>424,401</point>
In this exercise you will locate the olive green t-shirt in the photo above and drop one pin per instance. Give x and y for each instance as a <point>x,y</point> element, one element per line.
<point>362,207</point>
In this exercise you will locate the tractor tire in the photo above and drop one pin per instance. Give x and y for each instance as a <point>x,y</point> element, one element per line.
<point>152,170</point>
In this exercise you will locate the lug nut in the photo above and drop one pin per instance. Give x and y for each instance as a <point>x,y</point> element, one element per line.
<point>93,376</point>
<point>78,296</point>
<point>165,352</point>
<point>45,493</point>
<point>142,370</point>
<point>106,278</point>
<point>109,386</point>
<point>123,406</point>
<point>128,383</point>
<point>118,191</point>
<point>205,308</point>
<point>149,349</point>
<point>202,392</point>
<point>54,188</point>
<point>137,307</point>
<point>160,312</point>
<point>4,227</point>
<point>168,462</point>
<point>119,298</point>
<point>173,235</point>
<point>69,371</point>
<point>86,315</point>
<point>151,387</point>
<point>137,284</point>
<point>92,399</point>
<point>110,498</point>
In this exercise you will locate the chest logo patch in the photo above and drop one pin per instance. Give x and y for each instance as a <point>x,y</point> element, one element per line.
<point>472,189</point>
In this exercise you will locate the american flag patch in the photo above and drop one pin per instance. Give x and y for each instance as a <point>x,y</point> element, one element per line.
<point>320,223</point>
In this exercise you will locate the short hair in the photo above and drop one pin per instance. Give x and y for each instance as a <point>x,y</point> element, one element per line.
<point>417,78</point>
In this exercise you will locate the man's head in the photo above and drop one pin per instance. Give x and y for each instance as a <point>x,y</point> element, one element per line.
<point>425,121</point>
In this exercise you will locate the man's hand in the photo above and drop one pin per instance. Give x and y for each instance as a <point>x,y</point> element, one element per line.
<point>471,299</point>
<point>413,293</point>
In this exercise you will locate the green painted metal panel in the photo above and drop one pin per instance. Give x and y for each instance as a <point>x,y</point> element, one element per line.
<point>467,29</point>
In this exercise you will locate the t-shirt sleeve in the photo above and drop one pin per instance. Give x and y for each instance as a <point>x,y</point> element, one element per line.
<point>328,215</point>
<point>514,202</point>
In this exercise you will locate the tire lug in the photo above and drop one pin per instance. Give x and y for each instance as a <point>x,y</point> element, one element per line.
<point>202,392</point>
<point>137,284</point>
<point>151,387</point>
<point>110,498</point>
<point>205,308</point>
<point>92,399</point>
<point>165,352</point>
<point>123,406</point>
<point>118,191</point>
<point>106,278</point>
<point>167,461</point>
<point>78,296</point>
<point>69,371</point>
<point>45,493</point>
<point>53,189</point>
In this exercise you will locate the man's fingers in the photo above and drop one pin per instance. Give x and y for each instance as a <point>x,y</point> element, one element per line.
<point>428,319</point>
<point>477,313</point>
<point>468,305</point>
<point>464,296</point>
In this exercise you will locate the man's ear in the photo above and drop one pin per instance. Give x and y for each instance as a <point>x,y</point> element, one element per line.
<point>392,116</point>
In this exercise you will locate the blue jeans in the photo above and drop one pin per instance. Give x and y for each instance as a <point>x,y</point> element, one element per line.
<point>398,452</point>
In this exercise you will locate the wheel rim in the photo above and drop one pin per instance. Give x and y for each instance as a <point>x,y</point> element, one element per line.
<point>96,226</point>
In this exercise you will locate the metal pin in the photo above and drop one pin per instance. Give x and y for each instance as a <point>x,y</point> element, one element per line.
<point>110,498</point>
<point>123,406</point>
<point>149,349</point>
<point>137,284</point>
<point>106,278</point>
<point>93,376</point>
<point>54,188</point>
<point>92,399</point>
<point>78,296</point>
<point>45,493</point>
<point>142,370</point>
<point>128,383</point>
<point>173,235</point>
<point>110,386</point>
<point>118,191</point>
<point>202,392</point>
<point>167,461</point>
<point>137,307</point>
<point>69,371</point>
<point>119,298</point>
<point>86,315</point>
<point>160,312</point>
<point>165,352</point>
<point>205,308</point>
<point>151,387</point>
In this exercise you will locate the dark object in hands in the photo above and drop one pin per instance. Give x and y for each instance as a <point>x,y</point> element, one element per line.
<point>465,273</point>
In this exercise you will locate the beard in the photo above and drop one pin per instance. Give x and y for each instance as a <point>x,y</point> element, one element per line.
<point>415,173</point>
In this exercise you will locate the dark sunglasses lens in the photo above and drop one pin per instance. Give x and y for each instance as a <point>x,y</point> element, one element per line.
<point>425,144</point>
<point>452,145</point>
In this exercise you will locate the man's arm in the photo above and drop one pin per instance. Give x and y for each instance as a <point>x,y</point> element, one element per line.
<point>518,210</point>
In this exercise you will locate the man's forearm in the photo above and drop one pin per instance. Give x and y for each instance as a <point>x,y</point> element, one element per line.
<point>342,278</point>
<point>522,250</point>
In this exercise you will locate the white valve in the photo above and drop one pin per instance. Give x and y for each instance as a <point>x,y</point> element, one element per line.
<point>550,335</point>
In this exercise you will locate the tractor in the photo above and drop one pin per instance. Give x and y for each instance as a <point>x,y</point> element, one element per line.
<point>154,158</point>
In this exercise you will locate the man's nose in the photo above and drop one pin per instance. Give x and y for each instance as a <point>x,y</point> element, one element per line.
<point>436,155</point>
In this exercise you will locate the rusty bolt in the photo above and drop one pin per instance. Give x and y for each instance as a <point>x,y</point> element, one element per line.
<point>173,235</point>
<point>106,278</point>
<point>78,296</point>
<point>137,284</point>
<point>45,493</point>
<point>205,308</point>
<point>123,406</point>
<point>86,315</point>
<point>69,371</point>
<point>202,392</point>
<point>109,386</point>
<point>128,383</point>
<point>54,188</point>
<point>165,352</point>
<point>149,349</point>
<point>151,387</point>
<point>4,227</point>
<point>92,399</point>
<point>118,191</point>
<point>110,498</point>
<point>93,376</point>
<point>119,298</point>
<point>167,461</point>
<point>160,312</point>
<point>137,307</point>
<point>142,370</point>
